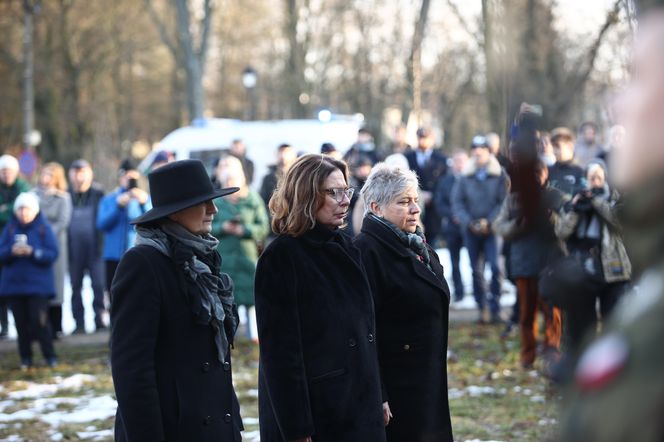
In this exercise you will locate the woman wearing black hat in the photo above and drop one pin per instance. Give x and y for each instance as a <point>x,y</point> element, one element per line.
<point>173,318</point>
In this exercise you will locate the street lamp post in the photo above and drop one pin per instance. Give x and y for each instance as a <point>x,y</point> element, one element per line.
<point>30,8</point>
<point>249,80</point>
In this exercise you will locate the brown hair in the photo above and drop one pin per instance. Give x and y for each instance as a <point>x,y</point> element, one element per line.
<point>299,194</point>
<point>59,180</point>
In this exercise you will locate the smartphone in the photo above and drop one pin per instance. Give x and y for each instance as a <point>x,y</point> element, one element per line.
<point>132,183</point>
<point>21,239</point>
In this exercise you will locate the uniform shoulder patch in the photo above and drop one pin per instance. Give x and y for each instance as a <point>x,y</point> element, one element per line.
<point>602,362</point>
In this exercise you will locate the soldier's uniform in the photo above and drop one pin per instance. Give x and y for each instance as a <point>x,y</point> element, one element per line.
<point>618,391</point>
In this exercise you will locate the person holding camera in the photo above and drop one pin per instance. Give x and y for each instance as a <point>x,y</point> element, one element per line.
<point>591,229</point>
<point>28,249</point>
<point>476,201</point>
<point>116,210</point>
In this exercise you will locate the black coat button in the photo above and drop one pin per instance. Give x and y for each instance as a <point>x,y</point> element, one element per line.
<point>370,337</point>
<point>227,418</point>
<point>205,367</point>
<point>406,347</point>
<point>207,420</point>
<point>351,342</point>
<point>227,366</point>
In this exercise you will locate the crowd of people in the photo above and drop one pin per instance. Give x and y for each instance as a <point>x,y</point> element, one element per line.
<point>335,264</point>
<point>427,200</point>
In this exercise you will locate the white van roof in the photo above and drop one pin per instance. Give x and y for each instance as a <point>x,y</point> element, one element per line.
<point>206,137</point>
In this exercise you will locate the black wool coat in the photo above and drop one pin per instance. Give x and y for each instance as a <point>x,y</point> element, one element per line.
<point>318,372</point>
<point>412,311</point>
<point>168,380</point>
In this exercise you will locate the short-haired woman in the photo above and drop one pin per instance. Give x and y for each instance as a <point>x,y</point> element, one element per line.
<point>412,307</point>
<point>318,377</point>
<point>173,318</point>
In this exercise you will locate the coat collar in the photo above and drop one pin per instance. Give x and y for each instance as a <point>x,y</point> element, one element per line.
<point>493,168</point>
<point>388,239</point>
<point>319,235</point>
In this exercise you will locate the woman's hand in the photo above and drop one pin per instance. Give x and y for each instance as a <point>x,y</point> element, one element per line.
<point>21,250</point>
<point>387,414</point>
<point>233,228</point>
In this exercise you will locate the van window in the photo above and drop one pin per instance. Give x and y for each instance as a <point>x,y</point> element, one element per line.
<point>208,157</point>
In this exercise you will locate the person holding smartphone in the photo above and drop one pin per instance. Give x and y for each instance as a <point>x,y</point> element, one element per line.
<point>28,247</point>
<point>116,211</point>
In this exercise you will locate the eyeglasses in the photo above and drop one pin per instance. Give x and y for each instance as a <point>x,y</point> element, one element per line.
<point>339,192</point>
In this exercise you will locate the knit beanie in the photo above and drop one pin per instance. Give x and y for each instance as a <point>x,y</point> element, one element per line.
<point>26,199</point>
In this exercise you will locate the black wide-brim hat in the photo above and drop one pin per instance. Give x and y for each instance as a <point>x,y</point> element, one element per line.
<point>177,186</point>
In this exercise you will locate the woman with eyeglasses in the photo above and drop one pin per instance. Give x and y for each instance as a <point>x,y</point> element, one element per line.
<point>412,305</point>
<point>318,376</point>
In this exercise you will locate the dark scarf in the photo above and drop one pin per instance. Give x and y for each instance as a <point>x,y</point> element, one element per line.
<point>414,242</point>
<point>208,291</point>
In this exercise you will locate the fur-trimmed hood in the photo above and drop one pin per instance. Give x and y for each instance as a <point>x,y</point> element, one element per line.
<point>493,168</point>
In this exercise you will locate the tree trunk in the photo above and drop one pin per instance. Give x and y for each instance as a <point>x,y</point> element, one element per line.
<point>192,66</point>
<point>295,67</point>
<point>413,101</point>
<point>494,89</point>
<point>190,57</point>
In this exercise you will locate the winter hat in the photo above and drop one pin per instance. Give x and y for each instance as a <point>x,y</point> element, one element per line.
<point>179,185</point>
<point>479,141</point>
<point>126,165</point>
<point>27,199</point>
<point>8,162</point>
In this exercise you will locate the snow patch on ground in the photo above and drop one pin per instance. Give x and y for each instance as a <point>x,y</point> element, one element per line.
<point>32,390</point>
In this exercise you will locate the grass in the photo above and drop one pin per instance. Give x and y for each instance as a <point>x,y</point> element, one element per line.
<point>491,397</point>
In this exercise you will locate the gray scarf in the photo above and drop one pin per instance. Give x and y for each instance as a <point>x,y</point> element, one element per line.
<point>414,242</point>
<point>208,291</point>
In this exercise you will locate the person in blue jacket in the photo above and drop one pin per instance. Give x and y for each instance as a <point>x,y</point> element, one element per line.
<point>28,249</point>
<point>116,210</point>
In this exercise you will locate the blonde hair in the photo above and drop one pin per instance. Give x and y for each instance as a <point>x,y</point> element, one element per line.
<point>230,169</point>
<point>299,194</point>
<point>58,171</point>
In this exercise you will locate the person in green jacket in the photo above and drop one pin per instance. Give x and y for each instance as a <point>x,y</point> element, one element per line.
<point>11,185</point>
<point>241,225</point>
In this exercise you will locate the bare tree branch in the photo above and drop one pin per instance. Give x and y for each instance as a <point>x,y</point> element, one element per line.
<point>413,71</point>
<point>161,27</point>
<point>611,19</point>
<point>479,39</point>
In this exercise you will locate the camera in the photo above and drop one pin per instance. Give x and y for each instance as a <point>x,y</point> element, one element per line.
<point>132,183</point>
<point>585,201</point>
